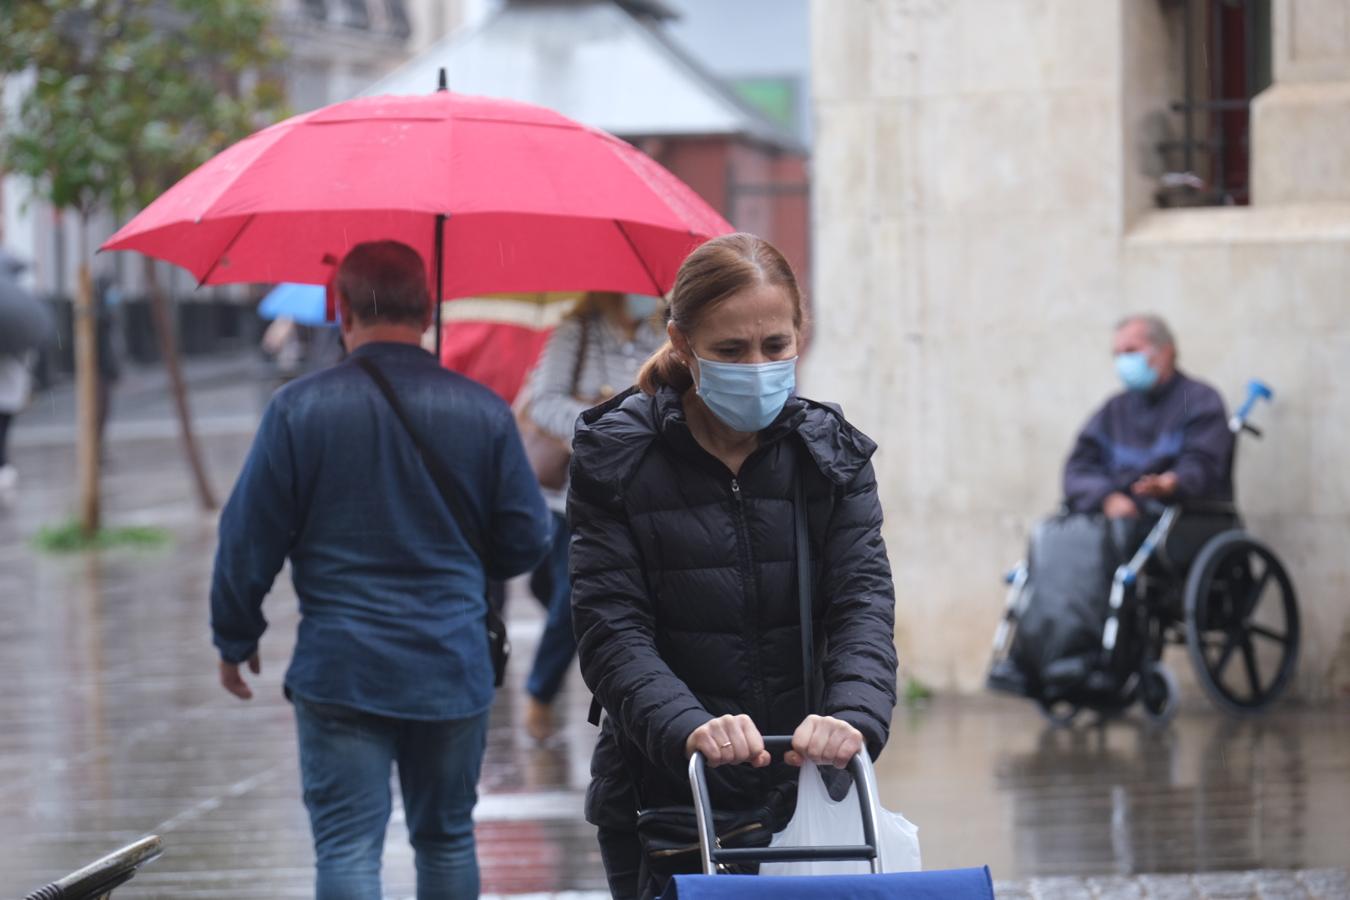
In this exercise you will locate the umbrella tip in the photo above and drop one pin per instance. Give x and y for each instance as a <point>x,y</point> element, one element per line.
<point>441,82</point>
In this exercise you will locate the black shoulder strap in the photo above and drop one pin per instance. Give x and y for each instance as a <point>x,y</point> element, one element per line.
<point>445,482</point>
<point>803,551</point>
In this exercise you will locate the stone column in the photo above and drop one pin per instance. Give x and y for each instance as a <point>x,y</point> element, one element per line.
<point>1301,124</point>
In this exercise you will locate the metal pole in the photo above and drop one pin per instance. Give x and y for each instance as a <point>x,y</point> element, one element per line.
<point>1218,122</point>
<point>439,252</point>
<point>1248,90</point>
<point>707,834</point>
<point>869,800</point>
<point>439,256</point>
<point>1188,87</point>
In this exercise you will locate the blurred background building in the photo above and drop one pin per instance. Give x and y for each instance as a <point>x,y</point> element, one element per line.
<point>335,48</point>
<point>989,196</point>
<point>730,117</point>
<point>615,65</point>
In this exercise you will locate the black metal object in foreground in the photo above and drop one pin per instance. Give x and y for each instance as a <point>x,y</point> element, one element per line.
<point>97,880</point>
<point>868,851</point>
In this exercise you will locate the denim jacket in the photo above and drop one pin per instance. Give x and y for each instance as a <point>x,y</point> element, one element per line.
<point>391,595</point>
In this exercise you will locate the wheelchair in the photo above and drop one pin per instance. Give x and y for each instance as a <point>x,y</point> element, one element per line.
<point>1198,579</point>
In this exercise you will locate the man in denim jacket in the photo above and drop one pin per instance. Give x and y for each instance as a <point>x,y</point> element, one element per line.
<point>392,660</point>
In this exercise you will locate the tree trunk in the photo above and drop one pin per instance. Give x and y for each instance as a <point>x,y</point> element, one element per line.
<point>168,351</point>
<point>86,391</point>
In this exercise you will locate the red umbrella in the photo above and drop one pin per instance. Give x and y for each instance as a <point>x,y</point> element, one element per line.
<point>496,340</point>
<point>497,195</point>
<point>494,354</point>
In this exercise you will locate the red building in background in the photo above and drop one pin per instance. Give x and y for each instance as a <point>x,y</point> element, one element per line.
<point>611,64</point>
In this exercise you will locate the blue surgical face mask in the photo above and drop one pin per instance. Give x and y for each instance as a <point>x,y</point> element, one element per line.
<point>640,306</point>
<point>1135,372</point>
<point>746,396</point>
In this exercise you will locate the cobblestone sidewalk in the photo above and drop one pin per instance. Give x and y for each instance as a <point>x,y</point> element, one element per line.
<point>1264,884</point>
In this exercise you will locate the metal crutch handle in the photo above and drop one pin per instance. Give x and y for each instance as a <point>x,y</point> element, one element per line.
<point>864,778</point>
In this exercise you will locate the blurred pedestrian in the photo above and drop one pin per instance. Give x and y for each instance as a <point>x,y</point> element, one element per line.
<point>281,343</point>
<point>592,354</point>
<point>685,596</point>
<point>15,385</point>
<point>107,300</point>
<point>392,663</point>
<point>15,380</point>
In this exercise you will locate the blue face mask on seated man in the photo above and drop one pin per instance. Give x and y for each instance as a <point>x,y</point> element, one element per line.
<point>746,396</point>
<point>1135,372</point>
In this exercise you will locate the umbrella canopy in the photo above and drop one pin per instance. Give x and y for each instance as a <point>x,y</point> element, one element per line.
<point>26,323</point>
<point>508,196</point>
<point>497,340</point>
<point>306,304</point>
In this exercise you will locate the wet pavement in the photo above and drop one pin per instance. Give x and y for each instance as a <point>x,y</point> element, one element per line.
<point>112,726</point>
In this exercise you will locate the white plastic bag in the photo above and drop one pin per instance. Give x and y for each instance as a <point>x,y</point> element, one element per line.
<point>818,821</point>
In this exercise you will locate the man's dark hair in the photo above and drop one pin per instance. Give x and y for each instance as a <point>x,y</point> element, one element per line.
<point>385,282</point>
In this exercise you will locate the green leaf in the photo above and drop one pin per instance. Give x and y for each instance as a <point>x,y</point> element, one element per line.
<point>127,99</point>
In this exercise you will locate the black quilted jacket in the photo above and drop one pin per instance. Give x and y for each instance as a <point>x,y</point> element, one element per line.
<point>684,594</point>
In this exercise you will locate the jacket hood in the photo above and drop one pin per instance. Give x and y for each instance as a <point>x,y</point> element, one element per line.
<point>611,438</point>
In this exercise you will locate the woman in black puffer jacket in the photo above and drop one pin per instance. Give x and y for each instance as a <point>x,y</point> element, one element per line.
<point>685,598</point>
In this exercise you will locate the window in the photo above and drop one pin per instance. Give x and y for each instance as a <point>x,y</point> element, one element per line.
<point>355,14</point>
<point>399,24</point>
<point>1225,62</point>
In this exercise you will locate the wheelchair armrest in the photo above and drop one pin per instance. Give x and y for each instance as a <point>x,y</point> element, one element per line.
<point>1209,507</point>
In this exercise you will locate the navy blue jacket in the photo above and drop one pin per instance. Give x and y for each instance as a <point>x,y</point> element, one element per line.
<point>1179,426</point>
<point>391,595</point>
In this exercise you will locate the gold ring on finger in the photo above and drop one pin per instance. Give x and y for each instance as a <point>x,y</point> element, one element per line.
<point>725,746</point>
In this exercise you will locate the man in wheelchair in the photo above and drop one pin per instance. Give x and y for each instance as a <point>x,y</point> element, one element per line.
<point>1164,441</point>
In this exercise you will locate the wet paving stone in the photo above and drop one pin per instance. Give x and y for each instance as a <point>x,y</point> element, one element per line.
<point>1326,882</point>
<point>112,726</point>
<point>1238,886</point>
<point>1117,888</point>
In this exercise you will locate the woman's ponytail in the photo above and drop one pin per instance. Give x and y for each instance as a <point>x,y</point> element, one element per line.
<point>664,369</point>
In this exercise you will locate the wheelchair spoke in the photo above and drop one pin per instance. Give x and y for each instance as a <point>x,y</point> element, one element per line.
<point>1254,595</point>
<point>1229,646</point>
<point>1253,676</point>
<point>1268,634</point>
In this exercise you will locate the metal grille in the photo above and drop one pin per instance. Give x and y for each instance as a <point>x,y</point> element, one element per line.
<point>1225,63</point>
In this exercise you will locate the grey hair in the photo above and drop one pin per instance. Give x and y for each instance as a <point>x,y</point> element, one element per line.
<point>1159,335</point>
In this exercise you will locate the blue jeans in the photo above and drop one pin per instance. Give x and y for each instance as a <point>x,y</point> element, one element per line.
<point>557,645</point>
<point>345,760</point>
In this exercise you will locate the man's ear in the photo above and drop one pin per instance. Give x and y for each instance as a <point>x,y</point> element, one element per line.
<point>344,313</point>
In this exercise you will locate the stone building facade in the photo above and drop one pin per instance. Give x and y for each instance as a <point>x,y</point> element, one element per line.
<point>985,190</point>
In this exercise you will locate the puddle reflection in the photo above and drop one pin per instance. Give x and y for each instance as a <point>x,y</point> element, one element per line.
<point>1208,794</point>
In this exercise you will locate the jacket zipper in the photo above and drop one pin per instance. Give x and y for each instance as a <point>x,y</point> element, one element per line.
<point>751,594</point>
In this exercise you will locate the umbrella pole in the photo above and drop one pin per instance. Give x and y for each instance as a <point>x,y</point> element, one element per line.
<point>439,292</point>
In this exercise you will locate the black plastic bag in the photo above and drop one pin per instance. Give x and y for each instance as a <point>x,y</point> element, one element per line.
<point>1070,565</point>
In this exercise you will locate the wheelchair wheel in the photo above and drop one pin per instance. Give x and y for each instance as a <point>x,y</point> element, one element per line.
<point>1158,693</point>
<point>1059,713</point>
<point>1240,603</point>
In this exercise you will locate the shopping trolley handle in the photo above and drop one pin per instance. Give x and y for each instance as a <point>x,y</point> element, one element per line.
<point>864,778</point>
